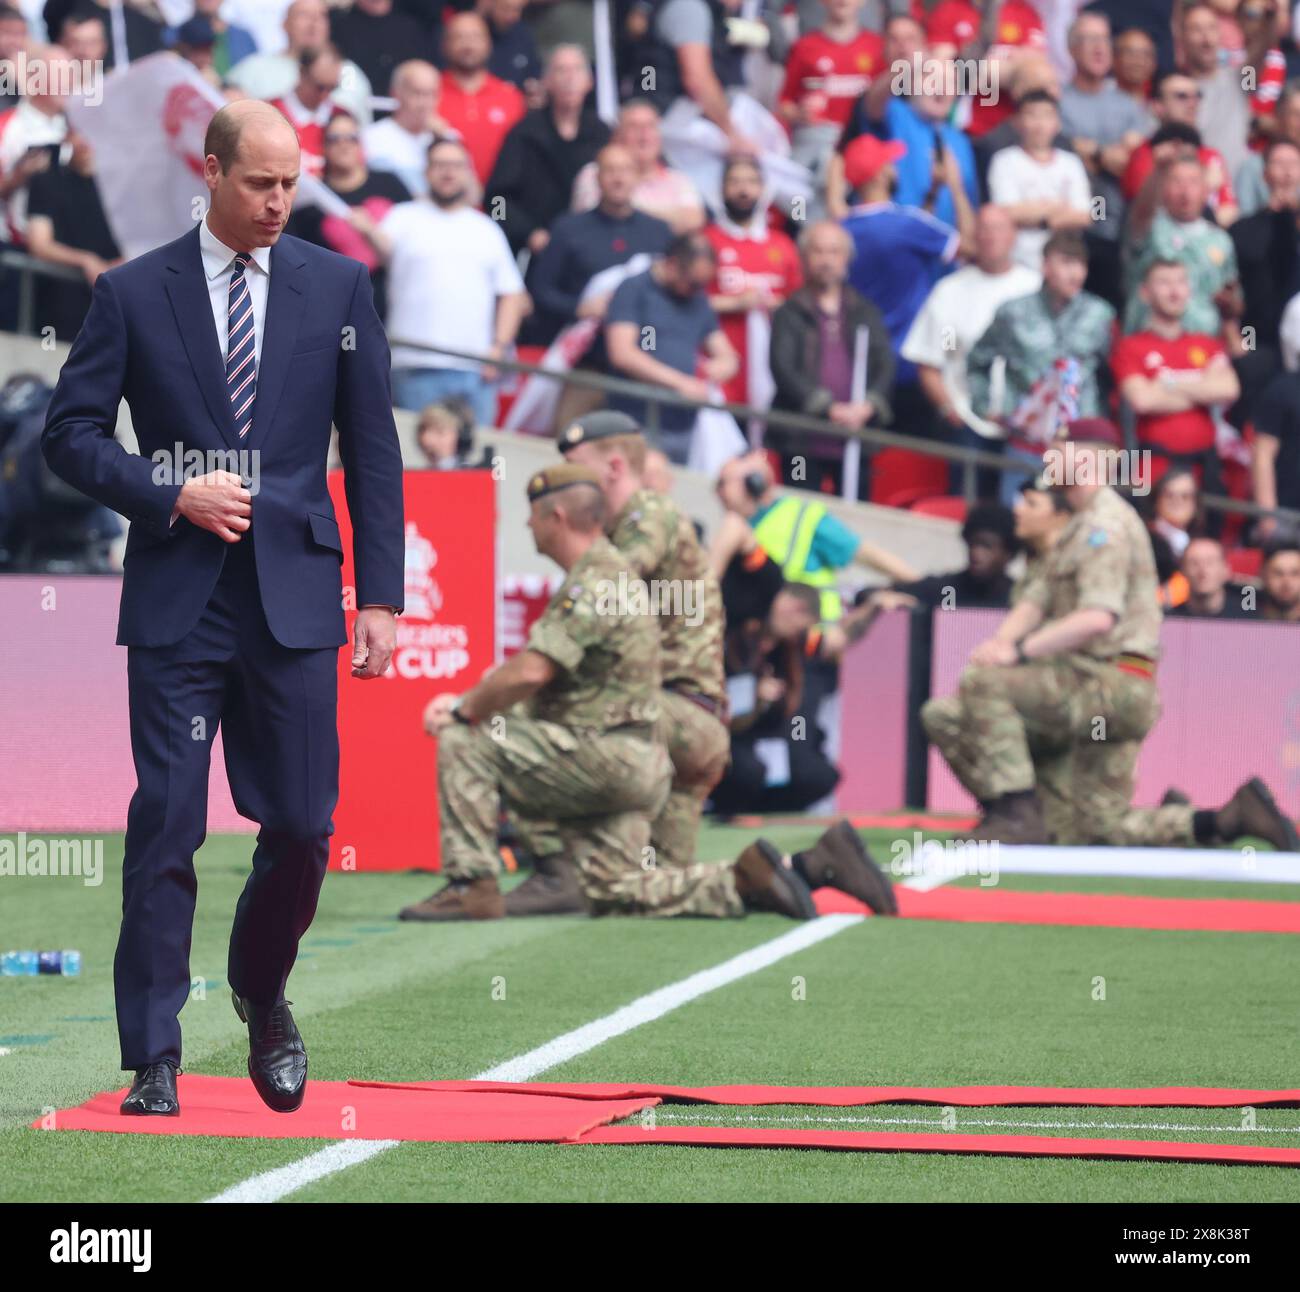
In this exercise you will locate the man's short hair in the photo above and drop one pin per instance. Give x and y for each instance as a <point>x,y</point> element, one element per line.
<point>805,238</point>
<point>8,13</point>
<point>1030,97</point>
<point>1274,144</point>
<point>1176,132</point>
<point>1163,78</point>
<point>807,596</point>
<point>632,448</point>
<point>442,141</point>
<point>991,518</point>
<point>1162,262</point>
<point>1067,243</point>
<point>684,249</point>
<point>583,505</point>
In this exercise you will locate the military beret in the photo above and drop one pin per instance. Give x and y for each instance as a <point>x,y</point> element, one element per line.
<point>603,424</point>
<point>1093,430</point>
<point>564,476</point>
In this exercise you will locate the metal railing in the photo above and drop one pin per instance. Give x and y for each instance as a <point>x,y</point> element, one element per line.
<point>872,439</point>
<point>28,268</point>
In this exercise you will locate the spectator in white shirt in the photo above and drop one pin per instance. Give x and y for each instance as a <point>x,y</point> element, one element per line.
<point>400,143</point>
<point>955,315</point>
<point>452,285</point>
<point>1044,188</point>
<point>272,75</point>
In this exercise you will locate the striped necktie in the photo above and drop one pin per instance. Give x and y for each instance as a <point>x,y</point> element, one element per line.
<point>241,354</point>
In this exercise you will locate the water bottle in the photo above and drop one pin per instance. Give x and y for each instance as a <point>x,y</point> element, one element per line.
<point>28,964</point>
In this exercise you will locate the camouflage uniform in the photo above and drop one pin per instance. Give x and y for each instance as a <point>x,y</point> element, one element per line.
<point>659,545</point>
<point>581,754</point>
<point>1071,726</point>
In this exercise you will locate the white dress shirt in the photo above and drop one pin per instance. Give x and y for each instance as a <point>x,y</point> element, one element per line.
<point>218,260</point>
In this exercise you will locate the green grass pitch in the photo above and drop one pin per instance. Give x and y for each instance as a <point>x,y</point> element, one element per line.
<point>899,1002</point>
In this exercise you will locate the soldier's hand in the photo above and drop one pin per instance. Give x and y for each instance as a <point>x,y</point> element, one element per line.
<point>437,713</point>
<point>993,653</point>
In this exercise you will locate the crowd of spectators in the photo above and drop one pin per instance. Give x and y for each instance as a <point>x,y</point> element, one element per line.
<point>958,220</point>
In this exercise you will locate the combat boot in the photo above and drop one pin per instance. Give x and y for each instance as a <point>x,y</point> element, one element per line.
<point>766,881</point>
<point>554,888</point>
<point>1174,797</point>
<point>1252,811</point>
<point>1013,818</point>
<point>460,899</point>
<point>839,859</point>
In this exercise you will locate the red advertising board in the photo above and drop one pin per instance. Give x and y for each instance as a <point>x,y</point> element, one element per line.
<point>387,817</point>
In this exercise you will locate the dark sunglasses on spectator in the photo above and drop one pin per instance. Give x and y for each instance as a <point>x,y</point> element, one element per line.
<point>342,139</point>
<point>1185,94</point>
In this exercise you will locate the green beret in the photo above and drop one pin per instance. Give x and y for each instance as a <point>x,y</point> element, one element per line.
<point>565,476</point>
<point>603,424</point>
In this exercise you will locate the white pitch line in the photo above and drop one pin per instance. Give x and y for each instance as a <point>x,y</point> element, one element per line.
<point>695,1114</point>
<point>270,1186</point>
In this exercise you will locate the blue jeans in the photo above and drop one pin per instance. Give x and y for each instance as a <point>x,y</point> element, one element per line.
<point>413,388</point>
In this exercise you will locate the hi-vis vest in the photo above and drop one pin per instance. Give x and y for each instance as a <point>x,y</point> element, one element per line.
<point>786,533</point>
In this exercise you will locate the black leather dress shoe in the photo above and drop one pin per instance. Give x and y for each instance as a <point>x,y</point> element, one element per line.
<point>153,1092</point>
<point>277,1058</point>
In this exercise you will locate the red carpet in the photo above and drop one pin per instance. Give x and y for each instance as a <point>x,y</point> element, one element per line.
<point>340,1110</point>
<point>899,1142</point>
<point>1091,910</point>
<point>859,1096</point>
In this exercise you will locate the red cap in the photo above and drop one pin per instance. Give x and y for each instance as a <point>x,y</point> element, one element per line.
<point>867,156</point>
<point>1094,430</point>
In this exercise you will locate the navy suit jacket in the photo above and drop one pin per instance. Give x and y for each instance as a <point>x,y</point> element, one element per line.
<point>150,337</point>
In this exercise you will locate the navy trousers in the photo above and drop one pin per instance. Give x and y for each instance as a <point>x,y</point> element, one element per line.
<point>277,711</point>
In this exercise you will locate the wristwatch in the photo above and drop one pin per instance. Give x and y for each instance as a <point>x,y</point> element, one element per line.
<point>458,714</point>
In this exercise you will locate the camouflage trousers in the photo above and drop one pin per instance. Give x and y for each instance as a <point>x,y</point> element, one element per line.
<point>598,792</point>
<point>1072,729</point>
<point>698,746</point>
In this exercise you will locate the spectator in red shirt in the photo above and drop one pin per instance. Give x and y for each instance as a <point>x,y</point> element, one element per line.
<point>310,104</point>
<point>828,69</point>
<point>481,107</point>
<point>758,266</point>
<point>1171,378</point>
<point>1176,104</point>
<point>1016,30</point>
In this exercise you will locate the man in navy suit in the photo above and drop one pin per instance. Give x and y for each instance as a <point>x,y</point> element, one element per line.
<point>234,347</point>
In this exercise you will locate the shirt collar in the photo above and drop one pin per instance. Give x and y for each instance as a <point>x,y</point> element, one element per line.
<point>217,257</point>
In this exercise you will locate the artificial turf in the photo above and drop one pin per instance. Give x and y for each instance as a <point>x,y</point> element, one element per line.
<point>899,1002</point>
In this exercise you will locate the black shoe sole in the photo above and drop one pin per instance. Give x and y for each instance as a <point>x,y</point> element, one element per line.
<point>149,1112</point>
<point>798,892</point>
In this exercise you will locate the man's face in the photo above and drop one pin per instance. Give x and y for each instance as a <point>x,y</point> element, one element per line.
<point>987,555</point>
<point>438,438</point>
<point>86,41</point>
<point>13,38</point>
<point>638,131</point>
<point>731,482</point>
<point>1183,194</point>
<point>467,44</point>
<point>322,77</point>
<point>1038,125</point>
<point>306,25</point>
<point>1179,100</point>
<point>1205,567</point>
<point>342,144</point>
<point>254,199</point>
<point>840,10</point>
<point>995,236</point>
<point>1282,174</point>
<point>1167,292</point>
<point>1135,59</point>
<point>588,455</point>
<point>904,38</point>
<point>567,78</point>
<point>693,277</point>
<point>741,191</point>
<point>448,174</point>
<point>1033,511</point>
<point>1288,117</point>
<point>788,618</point>
<point>1091,46</point>
<point>826,258</point>
<point>417,93</point>
<point>544,523</point>
<point>1201,40</point>
<point>1064,275</point>
<point>615,176</point>
<point>1282,580</point>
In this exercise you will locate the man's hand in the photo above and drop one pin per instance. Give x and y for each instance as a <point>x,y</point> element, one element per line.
<point>217,502</point>
<point>373,639</point>
<point>437,713</point>
<point>993,653</point>
<point>537,241</point>
<point>892,599</point>
<point>771,690</point>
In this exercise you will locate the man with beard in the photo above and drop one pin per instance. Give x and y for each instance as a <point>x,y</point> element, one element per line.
<point>452,285</point>
<point>758,266</point>
<point>480,107</point>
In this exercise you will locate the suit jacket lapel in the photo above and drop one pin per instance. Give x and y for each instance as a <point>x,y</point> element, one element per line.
<point>284,309</point>
<point>187,289</point>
